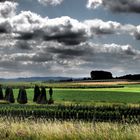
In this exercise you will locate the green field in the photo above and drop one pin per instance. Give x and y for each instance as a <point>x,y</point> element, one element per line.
<point>129,94</point>
<point>28,122</point>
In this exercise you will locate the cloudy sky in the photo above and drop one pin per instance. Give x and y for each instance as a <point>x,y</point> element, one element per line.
<point>69,37</point>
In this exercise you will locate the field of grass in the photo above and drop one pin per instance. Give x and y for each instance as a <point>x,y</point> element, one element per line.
<point>76,84</point>
<point>93,93</point>
<point>56,130</point>
<point>125,95</point>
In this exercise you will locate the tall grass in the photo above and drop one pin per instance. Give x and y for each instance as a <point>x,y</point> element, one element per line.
<point>57,130</point>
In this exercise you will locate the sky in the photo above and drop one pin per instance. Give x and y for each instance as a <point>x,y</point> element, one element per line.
<point>69,37</point>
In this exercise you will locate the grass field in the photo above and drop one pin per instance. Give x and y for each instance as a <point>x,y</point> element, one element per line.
<point>47,130</point>
<point>92,93</point>
<point>127,95</point>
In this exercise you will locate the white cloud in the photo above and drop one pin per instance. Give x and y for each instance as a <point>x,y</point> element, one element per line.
<point>98,26</point>
<point>116,5</point>
<point>27,25</point>
<point>50,2</point>
<point>94,3</point>
<point>7,9</point>
<point>59,46</point>
<point>136,34</point>
<point>26,22</point>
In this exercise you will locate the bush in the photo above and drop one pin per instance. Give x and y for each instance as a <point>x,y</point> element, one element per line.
<point>22,96</point>
<point>42,99</point>
<point>6,93</point>
<point>9,96</point>
<point>50,101</point>
<point>36,93</point>
<point>1,93</point>
<point>50,92</point>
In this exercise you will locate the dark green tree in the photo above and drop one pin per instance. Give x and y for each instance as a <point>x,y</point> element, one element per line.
<point>100,75</point>
<point>50,92</point>
<point>42,99</point>
<point>1,93</point>
<point>50,101</point>
<point>22,96</point>
<point>36,93</point>
<point>6,93</point>
<point>9,96</point>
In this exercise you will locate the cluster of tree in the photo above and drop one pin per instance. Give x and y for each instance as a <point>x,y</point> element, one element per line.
<point>22,96</point>
<point>101,75</point>
<point>98,75</point>
<point>39,95</point>
<point>9,96</point>
<point>130,77</point>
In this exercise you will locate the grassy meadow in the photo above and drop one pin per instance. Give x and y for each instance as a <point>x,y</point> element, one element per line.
<point>83,93</point>
<point>121,92</point>
<point>119,95</point>
<point>66,130</point>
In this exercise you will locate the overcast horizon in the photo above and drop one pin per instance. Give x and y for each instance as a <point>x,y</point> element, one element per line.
<point>69,37</point>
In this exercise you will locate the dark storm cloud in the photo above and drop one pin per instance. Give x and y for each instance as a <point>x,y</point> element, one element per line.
<point>2,29</point>
<point>136,33</point>
<point>68,38</point>
<point>5,26</point>
<point>87,51</point>
<point>8,64</point>
<point>42,57</point>
<point>23,45</point>
<point>116,5</point>
<point>32,58</point>
<point>54,57</point>
<point>67,53</point>
<point>25,36</point>
<point>66,30</point>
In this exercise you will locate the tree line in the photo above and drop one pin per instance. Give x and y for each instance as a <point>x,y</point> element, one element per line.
<point>40,96</point>
<point>101,75</point>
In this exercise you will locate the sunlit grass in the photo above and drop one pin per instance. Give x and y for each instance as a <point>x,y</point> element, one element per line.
<point>56,130</point>
<point>127,95</point>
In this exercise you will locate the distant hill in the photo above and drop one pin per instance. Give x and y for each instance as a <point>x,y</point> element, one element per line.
<point>33,79</point>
